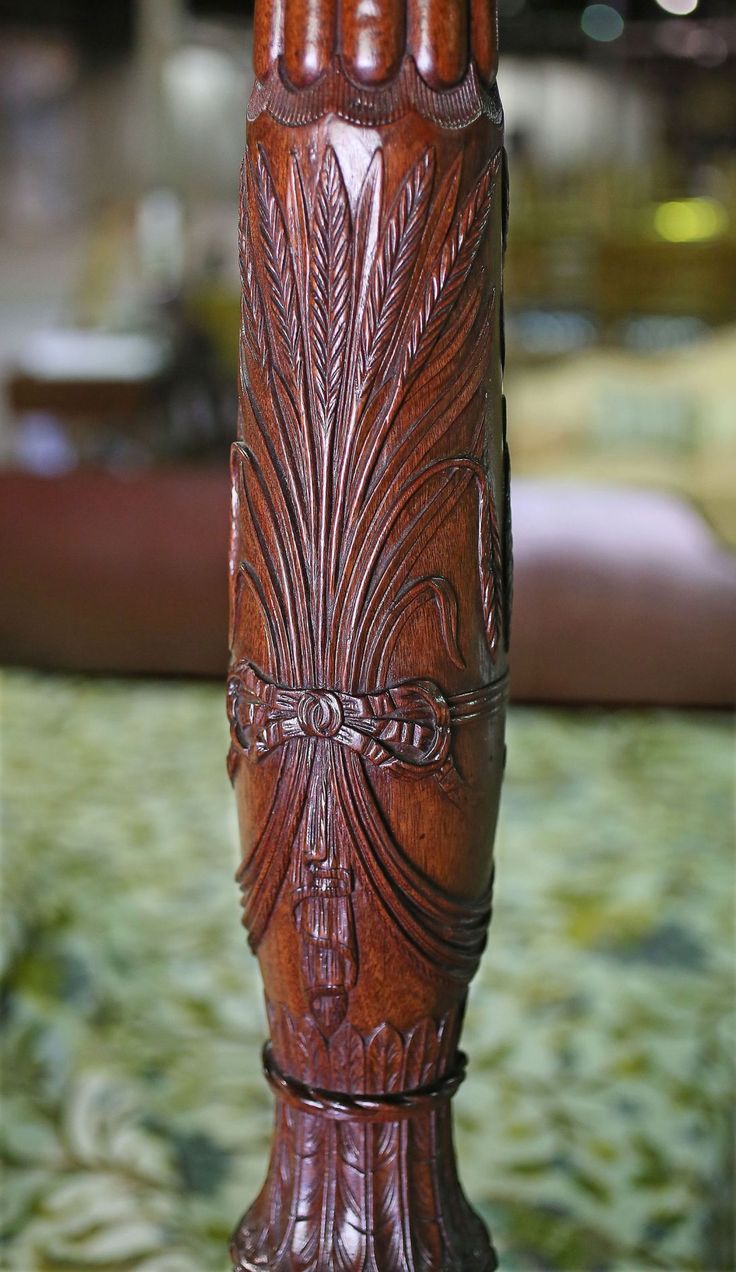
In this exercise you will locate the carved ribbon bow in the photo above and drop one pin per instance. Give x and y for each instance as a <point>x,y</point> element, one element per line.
<point>405,728</point>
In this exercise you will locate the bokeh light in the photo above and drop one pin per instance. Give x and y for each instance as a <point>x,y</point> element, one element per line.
<point>690,220</point>
<point>602,22</point>
<point>679,8</point>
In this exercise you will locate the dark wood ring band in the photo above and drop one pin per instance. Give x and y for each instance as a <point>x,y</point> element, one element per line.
<point>345,1107</point>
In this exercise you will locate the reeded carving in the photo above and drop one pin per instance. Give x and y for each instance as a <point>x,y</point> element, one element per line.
<point>371,37</point>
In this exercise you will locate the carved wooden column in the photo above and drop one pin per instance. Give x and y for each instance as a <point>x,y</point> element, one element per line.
<point>370,570</point>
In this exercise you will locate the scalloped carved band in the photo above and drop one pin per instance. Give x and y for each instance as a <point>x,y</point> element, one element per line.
<point>337,93</point>
<point>385,1061</point>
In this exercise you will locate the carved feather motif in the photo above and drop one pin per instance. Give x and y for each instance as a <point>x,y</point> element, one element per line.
<point>452,269</point>
<point>279,268</point>
<point>394,264</point>
<point>330,278</point>
<point>354,469</point>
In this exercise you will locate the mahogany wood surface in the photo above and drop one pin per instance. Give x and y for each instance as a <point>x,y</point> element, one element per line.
<point>370,604</point>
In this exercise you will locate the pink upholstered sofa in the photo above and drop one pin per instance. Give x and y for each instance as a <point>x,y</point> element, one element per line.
<point>622,595</point>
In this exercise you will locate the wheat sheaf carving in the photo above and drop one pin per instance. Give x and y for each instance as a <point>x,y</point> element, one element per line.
<point>351,392</point>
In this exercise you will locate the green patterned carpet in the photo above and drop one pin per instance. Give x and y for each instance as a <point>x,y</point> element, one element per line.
<point>593,1131</point>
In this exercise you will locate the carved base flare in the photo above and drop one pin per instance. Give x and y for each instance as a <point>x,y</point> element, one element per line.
<point>362,1171</point>
<point>349,1194</point>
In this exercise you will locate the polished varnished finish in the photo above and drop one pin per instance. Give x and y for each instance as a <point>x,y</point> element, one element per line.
<point>370,37</point>
<point>310,31</point>
<point>370,598</point>
<point>438,40</point>
<point>484,33</point>
<point>268,36</point>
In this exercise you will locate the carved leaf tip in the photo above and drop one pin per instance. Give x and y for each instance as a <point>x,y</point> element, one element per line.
<point>279,269</point>
<point>329,288</point>
<point>451,270</point>
<point>395,262</point>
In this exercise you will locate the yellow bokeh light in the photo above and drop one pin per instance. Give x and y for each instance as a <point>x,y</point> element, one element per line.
<point>690,220</point>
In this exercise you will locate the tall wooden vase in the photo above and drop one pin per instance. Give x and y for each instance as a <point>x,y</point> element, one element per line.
<point>370,596</point>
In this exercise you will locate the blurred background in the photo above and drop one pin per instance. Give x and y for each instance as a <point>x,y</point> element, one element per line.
<point>594,1131</point>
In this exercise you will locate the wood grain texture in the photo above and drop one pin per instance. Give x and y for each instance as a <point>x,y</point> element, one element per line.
<point>268,36</point>
<point>484,38</point>
<point>370,602</point>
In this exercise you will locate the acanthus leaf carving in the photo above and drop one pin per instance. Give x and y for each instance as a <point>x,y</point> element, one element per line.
<point>378,1193</point>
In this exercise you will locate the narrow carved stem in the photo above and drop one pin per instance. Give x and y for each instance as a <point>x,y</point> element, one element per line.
<point>370,597</point>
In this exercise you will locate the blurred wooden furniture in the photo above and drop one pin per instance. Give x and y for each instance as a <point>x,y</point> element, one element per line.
<point>94,387</point>
<point>90,374</point>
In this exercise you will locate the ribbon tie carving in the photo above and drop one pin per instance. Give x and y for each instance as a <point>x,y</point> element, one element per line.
<point>404,728</point>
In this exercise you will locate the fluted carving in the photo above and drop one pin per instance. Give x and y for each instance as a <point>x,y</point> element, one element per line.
<point>372,37</point>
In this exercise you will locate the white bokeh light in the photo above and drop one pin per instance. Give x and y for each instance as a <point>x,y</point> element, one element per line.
<point>679,8</point>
